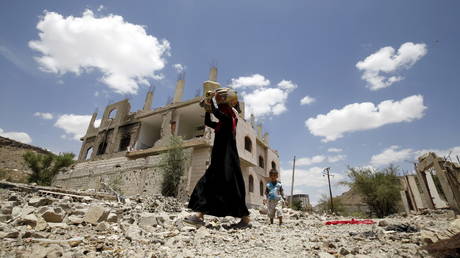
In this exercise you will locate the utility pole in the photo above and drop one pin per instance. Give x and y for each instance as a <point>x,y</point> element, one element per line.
<point>326,172</point>
<point>292,183</point>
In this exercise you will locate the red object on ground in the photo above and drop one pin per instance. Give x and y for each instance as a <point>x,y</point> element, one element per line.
<point>352,221</point>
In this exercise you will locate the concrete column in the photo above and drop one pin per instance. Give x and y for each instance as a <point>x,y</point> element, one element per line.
<point>179,91</point>
<point>452,194</point>
<point>266,138</point>
<point>438,202</point>
<point>91,129</point>
<point>213,74</point>
<point>211,84</point>
<point>415,192</point>
<point>426,197</point>
<point>259,131</point>
<point>404,201</point>
<point>148,101</point>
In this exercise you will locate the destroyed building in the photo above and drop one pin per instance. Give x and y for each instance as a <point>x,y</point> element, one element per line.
<point>436,185</point>
<point>126,148</point>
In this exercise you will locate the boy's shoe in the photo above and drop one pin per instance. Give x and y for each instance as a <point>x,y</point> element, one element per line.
<point>194,220</point>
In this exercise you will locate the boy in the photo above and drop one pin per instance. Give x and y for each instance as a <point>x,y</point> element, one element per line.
<point>275,196</point>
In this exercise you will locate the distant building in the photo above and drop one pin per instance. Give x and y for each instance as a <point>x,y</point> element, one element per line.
<point>303,198</point>
<point>126,147</point>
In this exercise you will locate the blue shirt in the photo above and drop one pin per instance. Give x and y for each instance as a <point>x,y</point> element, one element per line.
<point>274,191</point>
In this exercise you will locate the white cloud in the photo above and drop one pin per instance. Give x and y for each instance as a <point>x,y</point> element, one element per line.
<point>255,80</point>
<point>391,155</point>
<point>365,116</point>
<point>75,126</point>
<point>307,100</point>
<point>386,61</point>
<point>47,116</point>
<point>307,161</point>
<point>334,150</point>
<point>333,159</point>
<point>394,154</point>
<point>123,52</point>
<point>100,8</point>
<point>263,101</point>
<point>179,68</point>
<point>312,177</point>
<point>287,85</point>
<point>17,136</point>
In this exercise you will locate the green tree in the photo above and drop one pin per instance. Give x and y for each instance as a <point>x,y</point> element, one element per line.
<point>297,205</point>
<point>325,204</point>
<point>45,166</point>
<point>173,163</point>
<point>380,189</point>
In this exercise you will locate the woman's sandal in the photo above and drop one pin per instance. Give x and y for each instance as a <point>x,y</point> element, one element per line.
<point>194,220</point>
<point>241,225</point>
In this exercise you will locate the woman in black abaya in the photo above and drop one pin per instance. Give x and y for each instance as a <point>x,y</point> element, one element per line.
<point>221,190</point>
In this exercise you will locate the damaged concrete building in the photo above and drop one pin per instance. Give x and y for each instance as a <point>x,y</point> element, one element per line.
<point>436,185</point>
<point>126,148</point>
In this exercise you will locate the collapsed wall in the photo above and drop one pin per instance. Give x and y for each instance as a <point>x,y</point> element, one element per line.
<point>131,177</point>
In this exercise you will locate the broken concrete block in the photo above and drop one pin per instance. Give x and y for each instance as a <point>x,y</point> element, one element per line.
<point>74,220</point>
<point>16,211</point>
<point>41,224</point>
<point>112,217</point>
<point>96,214</point>
<point>51,215</point>
<point>147,219</point>
<point>133,233</point>
<point>39,201</point>
<point>58,225</point>
<point>102,226</point>
<point>29,219</point>
<point>455,226</point>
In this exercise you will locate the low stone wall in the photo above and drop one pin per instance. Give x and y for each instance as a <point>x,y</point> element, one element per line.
<point>139,176</point>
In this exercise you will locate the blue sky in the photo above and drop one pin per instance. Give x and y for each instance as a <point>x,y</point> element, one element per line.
<point>378,79</point>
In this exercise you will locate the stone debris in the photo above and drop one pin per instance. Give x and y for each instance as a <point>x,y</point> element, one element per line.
<point>55,226</point>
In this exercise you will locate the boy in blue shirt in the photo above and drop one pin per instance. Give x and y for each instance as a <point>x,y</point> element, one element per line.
<point>275,197</point>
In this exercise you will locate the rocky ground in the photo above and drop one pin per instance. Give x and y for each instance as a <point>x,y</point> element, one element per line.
<point>45,226</point>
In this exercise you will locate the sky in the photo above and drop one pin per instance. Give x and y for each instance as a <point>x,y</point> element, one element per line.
<point>335,83</point>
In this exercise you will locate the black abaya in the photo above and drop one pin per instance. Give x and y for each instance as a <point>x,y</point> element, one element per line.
<point>221,191</point>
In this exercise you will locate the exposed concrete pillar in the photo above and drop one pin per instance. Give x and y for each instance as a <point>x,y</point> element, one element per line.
<point>211,84</point>
<point>259,131</point>
<point>91,129</point>
<point>426,197</point>
<point>438,202</point>
<point>242,108</point>
<point>415,192</point>
<point>148,101</point>
<point>451,192</point>
<point>179,90</point>
<point>266,138</point>
<point>404,201</point>
<point>253,121</point>
<point>213,74</point>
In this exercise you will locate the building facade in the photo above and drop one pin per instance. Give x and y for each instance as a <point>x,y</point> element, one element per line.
<point>126,147</point>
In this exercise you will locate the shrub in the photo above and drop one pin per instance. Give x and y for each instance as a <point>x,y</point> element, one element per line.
<point>173,167</point>
<point>324,204</point>
<point>380,189</point>
<point>297,205</point>
<point>45,166</point>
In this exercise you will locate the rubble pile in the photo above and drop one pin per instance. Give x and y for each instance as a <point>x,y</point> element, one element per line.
<point>36,225</point>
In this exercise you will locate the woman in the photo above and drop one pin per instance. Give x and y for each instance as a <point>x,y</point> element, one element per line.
<point>221,190</point>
